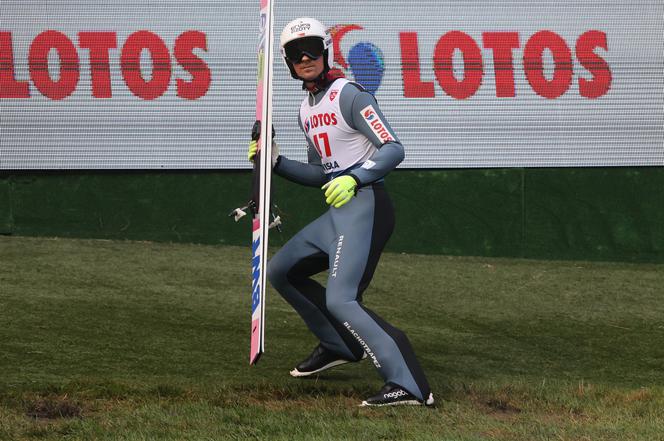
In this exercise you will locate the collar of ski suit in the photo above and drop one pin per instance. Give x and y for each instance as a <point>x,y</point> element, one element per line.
<point>323,81</point>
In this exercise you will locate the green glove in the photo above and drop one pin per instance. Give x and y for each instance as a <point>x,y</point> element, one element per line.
<point>340,190</point>
<point>253,148</point>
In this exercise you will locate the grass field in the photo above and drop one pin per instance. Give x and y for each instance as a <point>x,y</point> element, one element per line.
<point>103,340</point>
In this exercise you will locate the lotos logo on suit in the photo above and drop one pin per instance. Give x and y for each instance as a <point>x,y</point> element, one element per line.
<point>377,126</point>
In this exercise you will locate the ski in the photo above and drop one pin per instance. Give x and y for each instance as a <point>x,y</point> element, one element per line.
<point>262,176</point>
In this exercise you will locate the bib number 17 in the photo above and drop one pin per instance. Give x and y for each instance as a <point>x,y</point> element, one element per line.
<point>322,138</point>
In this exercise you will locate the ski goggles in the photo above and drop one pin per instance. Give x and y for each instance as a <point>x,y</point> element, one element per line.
<point>312,47</point>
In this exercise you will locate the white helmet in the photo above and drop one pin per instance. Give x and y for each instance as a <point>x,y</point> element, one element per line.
<point>307,28</point>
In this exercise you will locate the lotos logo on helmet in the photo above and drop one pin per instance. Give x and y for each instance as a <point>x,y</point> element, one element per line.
<point>365,60</point>
<point>300,28</point>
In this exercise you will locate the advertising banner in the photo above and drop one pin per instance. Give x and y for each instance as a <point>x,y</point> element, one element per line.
<point>138,85</point>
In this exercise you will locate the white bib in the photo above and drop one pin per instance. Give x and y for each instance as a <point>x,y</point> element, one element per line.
<point>339,145</point>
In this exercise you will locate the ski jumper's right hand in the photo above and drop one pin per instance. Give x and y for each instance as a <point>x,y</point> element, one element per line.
<point>253,144</point>
<point>253,148</point>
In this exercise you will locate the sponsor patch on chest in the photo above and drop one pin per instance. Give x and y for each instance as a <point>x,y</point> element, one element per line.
<point>320,120</point>
<point>376,124</point>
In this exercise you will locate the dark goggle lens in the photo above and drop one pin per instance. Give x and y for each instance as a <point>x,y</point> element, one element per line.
<point>311,47</point>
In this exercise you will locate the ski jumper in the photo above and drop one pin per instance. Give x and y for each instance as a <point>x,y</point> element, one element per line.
<point>346,134</point>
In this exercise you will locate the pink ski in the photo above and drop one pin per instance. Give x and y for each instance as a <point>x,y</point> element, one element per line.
<point>262,180</point>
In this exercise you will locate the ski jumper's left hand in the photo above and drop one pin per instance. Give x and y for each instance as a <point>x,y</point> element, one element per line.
<point>340,190</point>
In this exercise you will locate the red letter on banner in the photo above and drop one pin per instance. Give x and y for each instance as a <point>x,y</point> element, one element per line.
<point>131,65</point>
<point>534,65</point>
<point>69,69</point>
<point>472,58</point>
<point>413,87</point>
<point>199,71</point>
<point>99,44</point>
<point>595,64</point>
<point>502,44</point>
<point>9,87</point>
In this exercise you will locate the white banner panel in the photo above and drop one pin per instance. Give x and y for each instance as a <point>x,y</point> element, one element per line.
<point>125,84</point>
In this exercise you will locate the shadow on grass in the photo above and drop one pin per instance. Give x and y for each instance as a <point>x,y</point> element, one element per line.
<point>53,407</point>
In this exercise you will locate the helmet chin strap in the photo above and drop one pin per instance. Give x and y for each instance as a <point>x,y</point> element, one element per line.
<point>315,85</point>
<point>322,81</point>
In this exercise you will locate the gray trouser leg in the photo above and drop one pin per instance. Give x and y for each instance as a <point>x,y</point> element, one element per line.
<point>348,241</point>
<point>363,227</point>
<point>289,271</point>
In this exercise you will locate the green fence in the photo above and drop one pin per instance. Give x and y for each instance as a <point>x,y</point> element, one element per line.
<point>575,213</point>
